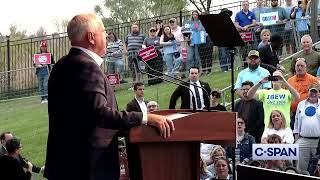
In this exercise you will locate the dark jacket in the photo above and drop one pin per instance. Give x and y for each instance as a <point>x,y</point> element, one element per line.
<point>269,58</point>
<point>184,93</point>
<point>12,169</point>
<point>82,113</point>
<point>20,159</point>
<point>245,147</point>
<point>133,154</point>
<point>134,106</point>
<point>255,121</point>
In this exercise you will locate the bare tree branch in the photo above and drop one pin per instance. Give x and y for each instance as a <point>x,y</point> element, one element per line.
<point>208,6</point>
<point>203,5</point>
<point>195,4</point>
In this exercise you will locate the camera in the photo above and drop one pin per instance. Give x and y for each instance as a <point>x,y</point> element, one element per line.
<point>273,78</point>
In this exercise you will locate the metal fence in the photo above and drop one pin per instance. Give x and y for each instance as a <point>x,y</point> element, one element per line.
<point>17,73</point>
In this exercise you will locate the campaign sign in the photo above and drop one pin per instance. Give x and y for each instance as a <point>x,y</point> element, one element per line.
<point>198,37</point>
<point>275,151</point>
<point>246,36</point>
<point>44,58</point>
<point>114,79</point>
<point>148,53</point>
<point>270,18</point>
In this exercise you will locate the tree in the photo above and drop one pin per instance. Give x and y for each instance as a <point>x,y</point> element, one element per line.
<point>60,25</point>
<point>15,33</point>
<point>202,5</point>
<point>41,31</point>
<point>131,10</point>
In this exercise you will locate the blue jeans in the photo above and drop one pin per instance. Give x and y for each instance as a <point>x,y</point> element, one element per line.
<point>193,57</point>
<point>224,58</point>
<point>43,75</point>
<point>173,64</point>
<point>118,65</point>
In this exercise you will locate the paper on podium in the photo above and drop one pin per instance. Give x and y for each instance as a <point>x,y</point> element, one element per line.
<point>177,116</point>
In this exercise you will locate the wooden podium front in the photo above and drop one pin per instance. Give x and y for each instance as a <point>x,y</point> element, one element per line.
<point>178,157</point>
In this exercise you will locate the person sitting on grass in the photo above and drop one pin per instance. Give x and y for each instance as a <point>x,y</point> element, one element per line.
<point>10,166</point>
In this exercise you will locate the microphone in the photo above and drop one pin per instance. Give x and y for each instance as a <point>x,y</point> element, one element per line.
<point>187,82</point>
<point>194,107</point>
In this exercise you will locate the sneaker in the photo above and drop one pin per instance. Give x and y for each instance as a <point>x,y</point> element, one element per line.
<point>44,101</point>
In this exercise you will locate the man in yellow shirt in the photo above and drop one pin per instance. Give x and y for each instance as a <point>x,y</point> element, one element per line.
<point>276,98</point>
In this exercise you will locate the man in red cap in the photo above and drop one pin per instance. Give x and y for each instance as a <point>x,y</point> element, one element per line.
<point>42,72</point>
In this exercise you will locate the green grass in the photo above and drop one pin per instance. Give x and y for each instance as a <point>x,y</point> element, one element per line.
<point>28,119</point>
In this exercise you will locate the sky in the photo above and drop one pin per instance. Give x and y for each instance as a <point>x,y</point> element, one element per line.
<point>31,14</point>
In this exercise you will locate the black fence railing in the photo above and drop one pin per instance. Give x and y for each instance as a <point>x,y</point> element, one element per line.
<point>17,74</point>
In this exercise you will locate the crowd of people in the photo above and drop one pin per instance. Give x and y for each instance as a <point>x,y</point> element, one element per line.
<point>271,109</point>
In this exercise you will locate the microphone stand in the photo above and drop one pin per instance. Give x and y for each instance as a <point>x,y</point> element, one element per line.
<point>194,108</point>
<point>203,89</point>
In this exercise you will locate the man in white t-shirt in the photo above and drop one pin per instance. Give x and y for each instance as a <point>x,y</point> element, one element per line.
<point>307,127</point>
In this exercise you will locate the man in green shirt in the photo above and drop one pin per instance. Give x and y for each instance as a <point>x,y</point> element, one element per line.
<point>275,98</point>
<point>312,57</point>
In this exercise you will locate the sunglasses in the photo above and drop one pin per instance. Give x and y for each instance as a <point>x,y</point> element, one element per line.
<point>152,30</point>
<point>171,22</point>
<point>158,22</point>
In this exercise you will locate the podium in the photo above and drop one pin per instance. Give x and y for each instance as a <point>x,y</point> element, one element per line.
<point>178,157</point>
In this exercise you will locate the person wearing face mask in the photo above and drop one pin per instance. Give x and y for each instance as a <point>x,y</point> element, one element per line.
<point>275,98</point>
<point>307,126</point>
<point>254,73</point>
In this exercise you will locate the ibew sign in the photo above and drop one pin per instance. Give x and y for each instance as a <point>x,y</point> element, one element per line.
<point>275,151</point>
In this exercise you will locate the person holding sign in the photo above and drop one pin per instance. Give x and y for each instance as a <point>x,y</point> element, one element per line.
<point>275,19</point>
<point>198,36</point>
<point>43,62</point>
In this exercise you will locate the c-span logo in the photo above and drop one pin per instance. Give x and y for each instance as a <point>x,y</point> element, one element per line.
<point>275,151</point>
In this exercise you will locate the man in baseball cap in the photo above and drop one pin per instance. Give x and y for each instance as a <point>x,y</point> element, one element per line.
<point>254,73</point>
<point>253,53</point>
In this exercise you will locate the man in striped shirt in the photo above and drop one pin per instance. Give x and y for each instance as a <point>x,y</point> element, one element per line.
<point>133,43</point>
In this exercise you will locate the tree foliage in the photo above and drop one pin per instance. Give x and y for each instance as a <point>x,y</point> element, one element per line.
<point>15,33</point>
<point>131,10</point>
<point>60,25</point>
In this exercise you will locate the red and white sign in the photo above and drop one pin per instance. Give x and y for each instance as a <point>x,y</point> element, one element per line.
<point>114,79</point>
<point>148,53</point>
<point>44,58</point>
<point>246,36</point>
